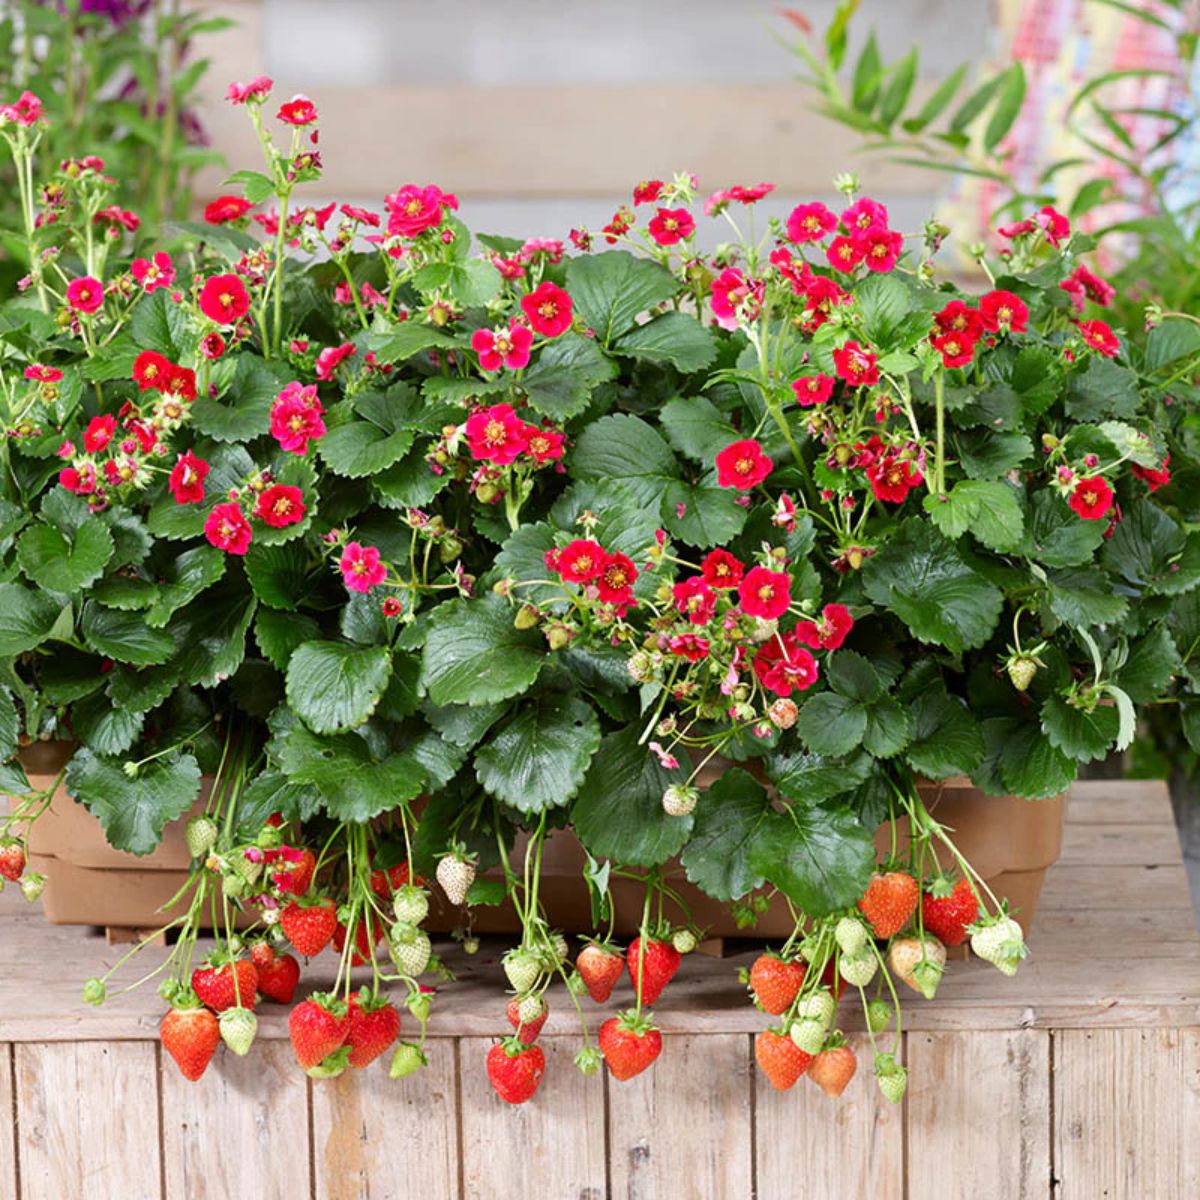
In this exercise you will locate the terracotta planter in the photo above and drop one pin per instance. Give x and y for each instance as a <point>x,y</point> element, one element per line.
<point>1010,842</point>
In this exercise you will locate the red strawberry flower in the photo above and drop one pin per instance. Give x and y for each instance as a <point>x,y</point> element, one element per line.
<point>829,632</point>
<point>361,567</point>
<point>580,561</point>
<point>502,347</point>
<point>496,434</point>
<point>765,593</point>
<point>742,465</point>
<point>155,273</point>
<point>415,209</point>
<point>1003,311</point>
<point>224,299</point>
<point>721,570</point>
<point>783,665</point>
<point>150,369</point>
<point>810,223</point>
<point>299,110</point>
<point>296,417</point>
<point>280,505</point>
<point>86,294</point>
<point>669,226</point>
<point>856,365</point>
<point>813,389</point>
<point>99,433</point>
<point>695,600</point>
<point>186,481</point>
<point>956,349</point>
<point>548,309</point>
<point>227,529</point>
<point>1091,498</point>
<point>224,209</point>
<point>616,579</point>
<point>1100,337</point>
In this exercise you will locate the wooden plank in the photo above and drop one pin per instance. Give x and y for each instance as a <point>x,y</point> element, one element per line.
<point>734,132</point>
<point>1073,885</point>
<point>661,1148</point>
<point>232,1124</point>
<point>88,1116</point>
<point>1126,1112</point>
<point>1103,845</point>
<point>1140,802</point>
<point>810,1147</point>
<point>375,1138</point>
<point>979,1114</point>
<point>551,1147</point>
<point>8,1126</point>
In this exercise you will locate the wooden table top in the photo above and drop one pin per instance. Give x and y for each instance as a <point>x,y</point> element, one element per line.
<point>1114,944</point>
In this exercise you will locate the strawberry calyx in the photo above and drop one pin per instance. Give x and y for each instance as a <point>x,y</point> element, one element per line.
<point>636,1023</point>
<point>941,887</point>
<point>332,1065</point>
<point>328,1002</point>
<point>513,1046</point>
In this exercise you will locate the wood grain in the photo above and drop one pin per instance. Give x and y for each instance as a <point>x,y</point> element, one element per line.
<point>551,1148</point>
<point>1127,1111</point>
<point>810,1147</point>
<point>8,1127</point>
<point>230,1126</point>
<point>376,1138</point>
<point>979,1113</point>
<point>88,1116</point>
<point>682,1128</point>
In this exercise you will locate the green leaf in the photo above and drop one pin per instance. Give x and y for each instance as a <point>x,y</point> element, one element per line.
<point>229,467</point>
<point>831,724</point>
<point>140,689</point>
<point>69,674</point>
<point>1007,109</point>
<point>1059,538</point>
<point>1152,661</point>
<point>407,340</point>
<point>991,453</point>
<point>1081,735</point>
<point>938,100</point>
<point>991,511</point>
<point>701,516</point>
<point>559,384</point>
<point>618,812</point>
<point>867,72</point>
<point>211,633</point>
<point>26,618</point>
<point>1149,549</point>
<point>852,676</point>
<point>272,792</point>
<point>410,483</point>
<point>899,88</point>
<point>1030,765</point>
<point>1102,389</point>
<point>129,594</point>
<point>1169,341</point>
<point>474,282</point>
<point>10,723</point>
<point>629,450</point>
<point>256,186</point>
<point>103,728</point>
<point>884,302</point>
<point>474,655</point>
<point>60,563</point>
<point>697,427</point>
<point>946,739</point>
<point>156,324</point>
<point>278,575</point>
<point>244,412</point>
<point>814,778</point>
<point>278,634</point>
<point>125,636</point>
<point>923,579</point>
<point>182,579</point>
<point>1084,596</point>
<point>356,447</point>
<point>730,818</point>
<point>538,759</point>
<point>820,858</point>
<point>887,730</point>
<point>461,724</point>
<point>334,687</point>
<point>134,811</point>
<point>674,338</point>
<point>611,290</point>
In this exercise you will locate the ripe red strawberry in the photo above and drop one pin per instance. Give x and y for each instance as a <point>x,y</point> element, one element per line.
<point>776,982</point>
<point>889,901</point>
<point>318,1026</point>
<point>374,1026</point>
<point>629,1045</point>
<point>278,974</point>
<point>514,1070</point>
<point>384,883</point>
<point>599,966</point>
<point>309,927</point>
<point>367,931</point>
<point>295,878</point>
<point>833,1069</point>
<point>782,1061</point>
<point>659,964</point>
<point>226,983</point>
<point>12,860</point>
<point>947,911</point>
<point>526,1031</point>
<point>190,1034</point>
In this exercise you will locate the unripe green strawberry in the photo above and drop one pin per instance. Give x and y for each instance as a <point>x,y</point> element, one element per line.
<point>418,1004</point>
<point>891,1077</point>
<point>684,940</point>
<point>589,1060</point>
<point>94,992</point>
<point>858,969</point>
<point>810,947</point>
<point>559,945</point>
<point>200,835</point>
<point>410,949</point>
<point>456,874</point>
<point>407,1059</point>
<point>234,887</point>
<point>527,617</point>
<point>470,945</point>
<point>32,885</point>
<point>879,1015</point>
<point>851,935</point>
<point>819,1006</point>
<point>522,970</point>
<point>679,800</point>
<point>808,1034</point>
<point>1021,670</point>
<point>238,1029</point>
<point>410,904</point>
<point>999,940</point>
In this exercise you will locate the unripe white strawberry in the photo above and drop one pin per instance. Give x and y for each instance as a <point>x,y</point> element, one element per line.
<point>200,835</point>
<point>410,948</point>
<point>999,940</point>
<point>238,1029</point>
<point>522,969</point>
<point>679,800</point>
<point>783,713</point>
<point>410,904</point>
<point>858,969</point>
<point>808,1034</point>
<point>1021,670</point>
<point>820,1006</point>
<point>851,935</point>
<point>32,885</point>
<point>891,1077</point>
<point>684,940</point>
<point>919,962</point>
<point>455,874</point>
<point>529,1009</point>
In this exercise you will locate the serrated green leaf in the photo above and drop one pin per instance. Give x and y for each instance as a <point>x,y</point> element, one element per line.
<point>182,579</point>
<point>26,618</point>
<point>125,636</point>
<point>887,729</point>
<point>1152,661</point>
<point>278,633</point>
<point>946,739</point>
<point>697,427</point>
<point>852,676</point>
<point>1057,537</point>
<point>140,689</point>
<point>989,510</point>
<point>61,563</point>
<point>729,819</point>
<point>334,687</point>
<point>104,728</point>
<point>1080,734</point>
<point>244,412</point>
<point>1084,596</point>
<point>674,338</point>
<point>610,290</point>
<point>831,724</point>
<point>814,778</point>
<point>629,450</point>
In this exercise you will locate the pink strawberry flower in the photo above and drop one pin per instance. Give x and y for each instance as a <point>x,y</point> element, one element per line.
<point>496,434</point>
<point>280,505</point>
<point>669,226</point>
<point>734,298</point>
<point>415,209</point>
<point>765,593</point>
<point>155,273</point>
<point>296,417</point>
<point>186,481</point>
<point>503,347</point>
<point>361,567</point>
<point>332,357</point>
<point>811,390</point>
<point>257,90</point>
<point>548,309</point>
<point>227,529</point>
<point>810,223</point>
<point>99,433</point>
<point>85,294</point>
<point>299,110</point>
<point>742,465</point>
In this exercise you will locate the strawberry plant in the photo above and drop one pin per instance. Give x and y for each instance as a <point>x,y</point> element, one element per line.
<point>423,545</point>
